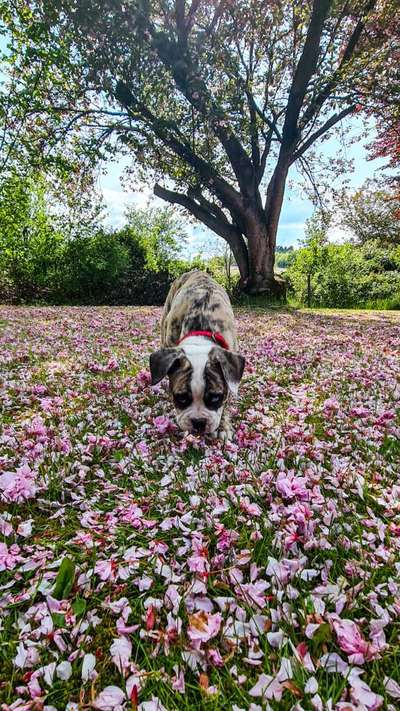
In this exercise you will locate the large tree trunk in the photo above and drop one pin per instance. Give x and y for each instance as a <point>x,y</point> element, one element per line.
<point>261,260</point>
<point>261,248</point>
<point>241,255</point>
<point>261,235</point>
<point>252,233</point>
<point>261,226</point>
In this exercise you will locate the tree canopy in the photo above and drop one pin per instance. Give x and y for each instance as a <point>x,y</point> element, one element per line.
<point>215,100</point>
<point>382,100</point>
<point>372,213</point>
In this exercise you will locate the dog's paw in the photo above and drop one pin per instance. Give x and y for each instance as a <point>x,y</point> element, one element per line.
<point>225,434</point>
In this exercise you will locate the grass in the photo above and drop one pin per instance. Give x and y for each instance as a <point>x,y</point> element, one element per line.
<point>112,489</point>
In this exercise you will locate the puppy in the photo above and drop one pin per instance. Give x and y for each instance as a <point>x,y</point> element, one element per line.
<point>199,344</point>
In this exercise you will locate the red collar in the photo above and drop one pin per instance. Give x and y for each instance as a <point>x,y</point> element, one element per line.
<point>217,337</point>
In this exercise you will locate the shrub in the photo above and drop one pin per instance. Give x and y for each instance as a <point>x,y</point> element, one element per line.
<point>90,267</point>
<point>348,276</point>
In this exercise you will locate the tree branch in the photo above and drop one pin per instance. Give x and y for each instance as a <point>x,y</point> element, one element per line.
<point>196,194</point>
<point>264,155</point>
<point>220,226</point>
<point>191,14</point>
<point>271,124</point>
<point>304,71</point>
<point>195,90</point>
<point>320,132</point>
<point>213,180</point>
<point>255,148</point>
<point>315,106</point>
<point>180,21</point>
<point>307,170</point>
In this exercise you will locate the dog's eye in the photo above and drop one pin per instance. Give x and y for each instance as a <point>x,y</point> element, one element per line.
<point>182,400</point>
<point>213,400</point>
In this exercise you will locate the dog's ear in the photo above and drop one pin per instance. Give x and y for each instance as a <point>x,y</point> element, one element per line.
<point>232,366</point>
<point>162,363</point>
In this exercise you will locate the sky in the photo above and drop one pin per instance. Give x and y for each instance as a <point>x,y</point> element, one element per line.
<point>297,206</point>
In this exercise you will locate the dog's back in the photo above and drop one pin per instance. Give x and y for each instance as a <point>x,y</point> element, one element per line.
<point>196,302</point>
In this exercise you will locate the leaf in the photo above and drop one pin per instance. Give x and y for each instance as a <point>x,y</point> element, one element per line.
<point>322,635</point>
<point>309,605</point>
<point>64,580</point>
<point>79,606</point>
<point>390,448</point>
<point>58,619</point>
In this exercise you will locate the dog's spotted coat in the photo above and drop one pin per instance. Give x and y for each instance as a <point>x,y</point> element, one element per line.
<point>201,373</point>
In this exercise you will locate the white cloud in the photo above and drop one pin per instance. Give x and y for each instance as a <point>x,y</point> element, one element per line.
<point>117,201</point>
<point>338,235</point>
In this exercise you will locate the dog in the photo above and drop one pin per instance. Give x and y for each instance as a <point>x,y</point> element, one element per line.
<point>199,354</point>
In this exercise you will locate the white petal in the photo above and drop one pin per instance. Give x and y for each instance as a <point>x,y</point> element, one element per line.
<point>312,686</point>
<point>88,664</point>
<point>64,671</point>
<point>21,656</point>
<point>109,698</point>
<point>392,688</point>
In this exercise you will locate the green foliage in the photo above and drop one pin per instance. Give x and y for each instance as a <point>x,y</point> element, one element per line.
<point>79,606</point>
<point>310,260</point>
<point>372,213</point>
<point>213,101</point>
<point>364,274</point>
<point>55,252</point>
<point>48,253</point>
<point>64,580</point>
<point>347,275</point>
<point>90,267</point>
<point>158,234</point>
<point>283,257</point>
<point>30,245</point>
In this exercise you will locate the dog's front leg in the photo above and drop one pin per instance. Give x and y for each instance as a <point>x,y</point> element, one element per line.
<point>225,431</point>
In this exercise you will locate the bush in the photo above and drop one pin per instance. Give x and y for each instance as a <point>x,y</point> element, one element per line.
<point>44,258</point>
<point>348,276</point>
<point>90,267</point>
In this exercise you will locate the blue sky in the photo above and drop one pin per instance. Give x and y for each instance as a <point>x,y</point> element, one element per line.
<point>297,207</point>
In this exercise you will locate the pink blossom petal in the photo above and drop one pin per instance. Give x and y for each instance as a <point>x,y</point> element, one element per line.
<point>121,650</point>
<point>392,688</point>
<point>110,699</point>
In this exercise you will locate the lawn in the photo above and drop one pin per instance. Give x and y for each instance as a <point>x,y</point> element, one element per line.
<point>141,568</point>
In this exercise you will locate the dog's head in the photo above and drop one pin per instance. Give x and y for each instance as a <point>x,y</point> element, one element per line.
<point>201,376</point>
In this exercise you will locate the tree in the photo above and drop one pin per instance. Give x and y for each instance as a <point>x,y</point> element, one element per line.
<point>39,216</point>
<point>372,213</point>
<point>210,97</point>
<point>29,245</point>
<point>381,100</point>
<point>47,255</point>
<point>310,259</point>
<point>387,145</point>
<point>351,276</point>
<point>158,233</point>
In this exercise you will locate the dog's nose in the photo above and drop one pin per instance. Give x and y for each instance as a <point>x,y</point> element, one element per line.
<point>199,424</point>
